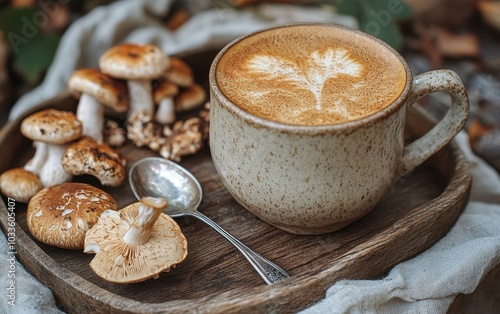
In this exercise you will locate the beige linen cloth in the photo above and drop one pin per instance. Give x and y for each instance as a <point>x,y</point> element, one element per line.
<point>427,283</point>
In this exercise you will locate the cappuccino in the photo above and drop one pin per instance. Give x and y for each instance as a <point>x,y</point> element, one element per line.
<point>310,75</point>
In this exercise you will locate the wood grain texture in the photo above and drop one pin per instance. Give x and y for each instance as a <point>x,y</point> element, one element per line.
<point>215,278</point>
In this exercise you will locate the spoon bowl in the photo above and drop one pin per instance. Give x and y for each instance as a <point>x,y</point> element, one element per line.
<point>159,177</point>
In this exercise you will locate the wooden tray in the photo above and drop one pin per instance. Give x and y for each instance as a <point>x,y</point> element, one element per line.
<point>215,278</point>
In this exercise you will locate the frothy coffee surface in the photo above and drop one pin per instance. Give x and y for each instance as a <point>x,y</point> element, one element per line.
<point>310,75</point>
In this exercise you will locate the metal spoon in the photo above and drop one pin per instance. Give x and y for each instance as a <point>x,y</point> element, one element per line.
<point>159,177</point>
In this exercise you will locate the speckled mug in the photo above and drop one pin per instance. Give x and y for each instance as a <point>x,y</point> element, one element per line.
<point>318,179</point>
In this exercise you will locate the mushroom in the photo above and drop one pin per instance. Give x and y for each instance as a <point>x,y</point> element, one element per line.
<point>60,215</point>
<point>20,184</point>
<point>136,243</point>
<point>52,130</point>
<point>179,72</point>
<point>96,90</point>
<point>139,65</point>
<point>164,96</point>
<point>86,156</point>
<point>190,98</point>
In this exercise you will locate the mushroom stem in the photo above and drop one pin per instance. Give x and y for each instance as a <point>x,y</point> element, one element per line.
<point>52,171</point>
<point>38,159</point>
<point>91,114</point>
<point>165,114</point>
<point>141,96</point>
<point>149,210</point>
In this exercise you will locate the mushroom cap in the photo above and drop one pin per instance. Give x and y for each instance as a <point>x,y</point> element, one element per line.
<point>52,126</point>
<point>105,89</point>
<point>179,72</point>
<point>164,89</point>
<point>134,62</point>
<point>86,156</point>
<point>190,98</point>
<point>120,262</point>
<point>20,184</point>
<point>61,214</point>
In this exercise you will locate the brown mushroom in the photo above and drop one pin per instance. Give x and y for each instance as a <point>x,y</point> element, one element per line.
<point>164,96</point>
<point>179,72</point>
<point>190,98</point>
<point>139,65</point>
<point>51,130</point>
<point>20,184</point>
<point>86,156</point>
<point>136,243</point>
<point>96,91</point>
<point>60,215</point>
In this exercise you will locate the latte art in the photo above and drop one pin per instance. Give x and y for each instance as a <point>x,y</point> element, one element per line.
<point>320,68</point>
<point>310,75</point>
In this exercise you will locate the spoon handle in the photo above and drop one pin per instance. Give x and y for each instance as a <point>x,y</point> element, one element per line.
<point>270,272</point>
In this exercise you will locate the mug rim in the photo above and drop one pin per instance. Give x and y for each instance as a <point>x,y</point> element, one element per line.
<point>310,129</point>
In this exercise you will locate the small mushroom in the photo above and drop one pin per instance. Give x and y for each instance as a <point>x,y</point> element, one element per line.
<point>52,130</point>
<point>190,98</point>
<point>164,96</point>
<point>139,65</point>
<point>86,156</point>
<point>96,90</point>
<point>20,184</point>
<point>136,243</point>
<point>179,72</point>
<point>60,215</point>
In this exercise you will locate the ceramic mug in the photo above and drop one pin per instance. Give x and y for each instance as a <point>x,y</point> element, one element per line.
<point>316,179</point>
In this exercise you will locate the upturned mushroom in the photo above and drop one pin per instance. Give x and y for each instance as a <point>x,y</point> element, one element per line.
<point>190,98</point>
<point>20,184</point>
<point>139,65</point>
<point>60,215</point>
<point>51,130</point>
<point>96,91</point>
<point>86,156</point>
<point>164,94</point>
<point>136,243</point>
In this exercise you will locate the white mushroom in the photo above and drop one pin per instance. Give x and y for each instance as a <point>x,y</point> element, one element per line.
<point>190,98</point>
<point>52,130</point>
<point>96,91</point>
<point>164,96</point>
<point>179,72</point>
<point>139,65</point>
<point>60,215</point>
<point>136,243</point>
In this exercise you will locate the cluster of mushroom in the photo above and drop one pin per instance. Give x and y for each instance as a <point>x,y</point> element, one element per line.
<point>134,78</point>
<point>131,245</point>
<point>61,153</point>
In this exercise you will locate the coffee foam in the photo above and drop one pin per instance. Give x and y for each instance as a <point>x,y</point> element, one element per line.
<point>310,75</point>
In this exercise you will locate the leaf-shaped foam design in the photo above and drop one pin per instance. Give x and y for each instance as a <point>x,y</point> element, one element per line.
<point>320,68</point>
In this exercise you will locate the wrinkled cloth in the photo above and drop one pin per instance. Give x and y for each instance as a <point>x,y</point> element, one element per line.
<point>427,283</point>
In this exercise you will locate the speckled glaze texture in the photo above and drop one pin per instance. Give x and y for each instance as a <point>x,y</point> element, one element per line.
<point>318,179</point>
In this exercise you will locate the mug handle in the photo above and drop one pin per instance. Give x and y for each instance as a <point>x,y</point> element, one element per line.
<point>442,133</point>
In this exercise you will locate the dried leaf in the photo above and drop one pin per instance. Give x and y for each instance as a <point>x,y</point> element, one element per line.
<point>490,11</point>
